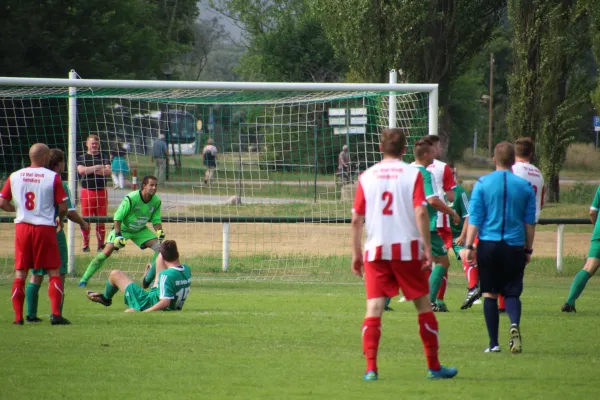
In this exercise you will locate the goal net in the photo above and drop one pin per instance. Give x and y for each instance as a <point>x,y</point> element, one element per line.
<point>278,202</point>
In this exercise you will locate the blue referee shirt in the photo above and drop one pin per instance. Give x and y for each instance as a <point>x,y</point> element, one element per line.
<point>501,204</point>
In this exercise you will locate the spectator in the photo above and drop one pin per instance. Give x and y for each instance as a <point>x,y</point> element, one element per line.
<point>210,160</point>
<point>120,167</point>
<point>160,157</point>
<point>344,165</point>
<point>93,167</point>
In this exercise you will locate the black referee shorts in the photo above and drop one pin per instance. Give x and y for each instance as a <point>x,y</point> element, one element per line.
<point>501,268</point>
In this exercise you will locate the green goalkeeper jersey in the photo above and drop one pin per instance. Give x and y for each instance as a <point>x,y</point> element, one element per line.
<point>461,206</point>
<point>173,284</point>
<point>429,186</point>
<point>134,213</point>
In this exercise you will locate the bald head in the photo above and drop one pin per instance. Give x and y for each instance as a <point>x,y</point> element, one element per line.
<point>504,155</point>
<point>39,154</point>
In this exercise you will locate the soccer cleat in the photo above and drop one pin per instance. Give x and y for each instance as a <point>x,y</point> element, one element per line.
<point>146,285</point>
<point>388,308</point>
<point>98,298</point>
<point>86,249</point>
<point>515,339</point>
<point>402,299</point>
<point>59,320</point>
<point>440,306</point>
<point>370,376</point>
<point>568,308</point>
<point>101,247</point>
<point>495,349</point>
<point>442,373</point>
<point>472,295</point>
<point>82,283</point>
<point>19,322</point>
<point>32,319</point>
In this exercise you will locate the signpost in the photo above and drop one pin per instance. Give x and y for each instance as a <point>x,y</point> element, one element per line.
<point>597,127</point>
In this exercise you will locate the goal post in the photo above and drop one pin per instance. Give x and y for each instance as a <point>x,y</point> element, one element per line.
<point>275,206</point>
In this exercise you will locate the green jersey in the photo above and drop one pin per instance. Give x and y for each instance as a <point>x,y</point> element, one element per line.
<point>134,213</point>
<point>428,186</point>
<point>174,284</point>
<point>60,235</point>
<point>595,207</point>
<point>461,206</point>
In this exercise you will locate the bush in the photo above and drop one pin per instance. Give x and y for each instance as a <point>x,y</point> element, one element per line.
<point>579,193</point>
<point>582,156</point>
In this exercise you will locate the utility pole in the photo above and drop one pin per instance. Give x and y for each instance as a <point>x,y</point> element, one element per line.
<point>490,103</point>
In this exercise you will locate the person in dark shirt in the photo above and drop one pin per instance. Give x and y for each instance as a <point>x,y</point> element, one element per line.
<point>502,212</point>
<point>93,167</point>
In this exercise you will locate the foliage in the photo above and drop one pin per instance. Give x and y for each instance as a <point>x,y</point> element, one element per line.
<point>97,38</point>
<point>208,34</point>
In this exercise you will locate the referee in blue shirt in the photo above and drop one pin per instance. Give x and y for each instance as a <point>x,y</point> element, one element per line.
<point>502,212</point>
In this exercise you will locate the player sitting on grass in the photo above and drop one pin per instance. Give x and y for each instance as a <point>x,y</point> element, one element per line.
<point>56,164</point>
<point>593,259</point>
<point>171,286</point>
<point>136,210</point>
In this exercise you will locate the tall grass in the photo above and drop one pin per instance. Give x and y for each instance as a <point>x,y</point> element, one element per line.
<point>582,156</point>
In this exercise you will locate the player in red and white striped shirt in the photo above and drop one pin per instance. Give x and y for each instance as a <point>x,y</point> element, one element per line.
<point>35,191</point>
<point>390,197</point>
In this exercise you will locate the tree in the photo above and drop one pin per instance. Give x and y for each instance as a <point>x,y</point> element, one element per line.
<point>208,35</point>
<point>548,86</point>
<point>430,41</point>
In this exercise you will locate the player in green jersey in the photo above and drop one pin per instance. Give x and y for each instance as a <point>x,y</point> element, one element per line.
<point>136,210</point>
<point>423,157</point>
<point>56,164</point>
<point>170,289</point>
<point>593,259</point>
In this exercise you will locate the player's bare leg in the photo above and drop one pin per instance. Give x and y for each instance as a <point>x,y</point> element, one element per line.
<point>371,333</point>
<point>579,282</point>
<point>32,291</point>
<point>56,293</point>
<point>18,295</point>
<point>117,280</point>
<point>151,273</point>
<point>97,263</point>
<point>428,330</point>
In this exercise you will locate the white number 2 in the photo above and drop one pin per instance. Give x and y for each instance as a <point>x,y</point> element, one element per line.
<point>180,296</point>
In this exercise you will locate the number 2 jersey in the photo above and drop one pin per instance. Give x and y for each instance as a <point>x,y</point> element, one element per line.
<point>531,174</point>
<point>35,192</point>
<point>387,195</point>
<point>134,213</point>
<point>173,284</point>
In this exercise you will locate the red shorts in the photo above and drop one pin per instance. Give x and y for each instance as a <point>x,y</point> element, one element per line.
<point>36,247</point>
<point>383,278</point>
<point>446,235</point>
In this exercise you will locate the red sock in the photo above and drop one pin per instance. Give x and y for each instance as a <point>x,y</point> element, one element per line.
<point>428,328</point>
<point>86,237</point>
<point>473,276</point>
<point>501,305</point>
<point>371,332</point>
<point>55,292</point>
<point>442,290</point>
<point>18,298</point>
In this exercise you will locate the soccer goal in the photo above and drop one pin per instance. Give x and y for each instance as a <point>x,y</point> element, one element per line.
<point>278,202</point>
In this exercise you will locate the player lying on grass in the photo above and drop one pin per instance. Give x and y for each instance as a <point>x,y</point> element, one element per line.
<point>390,203</point>
<point>169,291</point>
<point>593,259</point>
<point>56,164</point>
<point>136,210</point>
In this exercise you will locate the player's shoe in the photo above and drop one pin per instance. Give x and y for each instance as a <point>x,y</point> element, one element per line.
<point>495,349</point>
<point>370,376</point>
<point>146,285</point>
<point>443,373</point>
<point>86,249</point>
<point>99,298</point>
<point>568,308</point>
<point>19,322</point>
<point>59,320</point>
<point>402,299</point>
<point>515,339</point>
<point>477,302</point>
<point>32,319</point>
<point>101,247</point>
<point>82,283</point>
<point>472,295</point>
<point>441,306</point>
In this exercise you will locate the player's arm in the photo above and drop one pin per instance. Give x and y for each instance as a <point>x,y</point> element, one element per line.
<point>476,215</point>
<point>105,168</point>
<point>74,216</point>
<point>6,205</point>
<point>161,305</point>
<point>358,221</point>
<point>422,219</point>
<point>83,170</point>
<point>6,197</point>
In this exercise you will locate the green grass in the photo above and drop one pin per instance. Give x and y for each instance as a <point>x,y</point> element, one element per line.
<point>259,340</point>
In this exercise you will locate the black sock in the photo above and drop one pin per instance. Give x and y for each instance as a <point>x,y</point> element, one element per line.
<point>492,319</point>
<point>513,309</point>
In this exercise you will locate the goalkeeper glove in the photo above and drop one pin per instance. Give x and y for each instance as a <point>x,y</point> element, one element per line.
<point>160,234</point>
<point>119,241</point>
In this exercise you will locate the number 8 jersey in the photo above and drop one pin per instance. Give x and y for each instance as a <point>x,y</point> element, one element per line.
<point>387,195</point>
<point>35,192</point>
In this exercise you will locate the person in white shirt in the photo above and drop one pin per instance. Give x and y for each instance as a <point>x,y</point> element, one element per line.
<point>209,154</point>
<point>390,197</point>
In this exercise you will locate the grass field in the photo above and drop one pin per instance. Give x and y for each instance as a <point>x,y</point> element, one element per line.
<point>268,340</point>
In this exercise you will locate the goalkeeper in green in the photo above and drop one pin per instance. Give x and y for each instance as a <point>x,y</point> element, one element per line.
<point>136,210</point>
